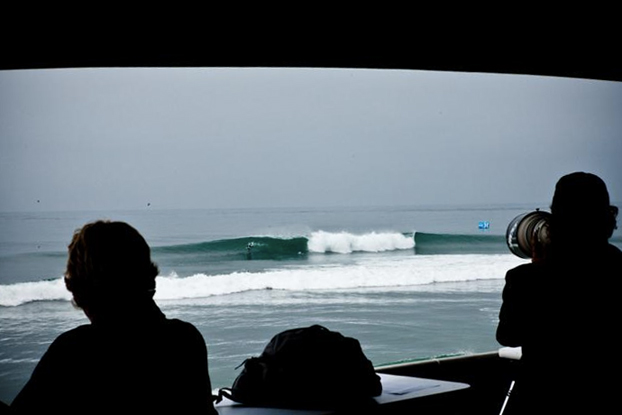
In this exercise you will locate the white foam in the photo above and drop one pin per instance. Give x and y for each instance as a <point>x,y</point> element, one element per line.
<point>345,243</point>
<point>16,294</point>
<point>411,271</point>
<point>375,272</point>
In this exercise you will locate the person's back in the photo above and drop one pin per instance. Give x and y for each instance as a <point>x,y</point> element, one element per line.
<point>157,367</point>
<point>563,310</point>
<point>131,357</point>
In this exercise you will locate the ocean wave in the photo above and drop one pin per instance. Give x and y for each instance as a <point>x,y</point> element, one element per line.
<point>279,248</point>
<point>346,243</point>
<point>26,292</point>
<point>438,243</point>
<point>19,361</point>
<point>388,272</point>
<point>257,247</point>
<point>317,242</point>
<point>323,242</point>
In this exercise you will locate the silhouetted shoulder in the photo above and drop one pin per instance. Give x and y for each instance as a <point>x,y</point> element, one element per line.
<point>184,335</point>
<point>105,364</point>
<point>523,269</point>
<point>614,252</point>
<point>525,275</point>
<point>183,326</point>
<point>74,335</point>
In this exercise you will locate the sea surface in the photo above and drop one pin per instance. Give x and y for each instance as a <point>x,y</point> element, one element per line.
<point>408,282</point>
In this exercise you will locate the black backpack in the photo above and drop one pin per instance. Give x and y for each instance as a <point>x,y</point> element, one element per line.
<point>310,367</point>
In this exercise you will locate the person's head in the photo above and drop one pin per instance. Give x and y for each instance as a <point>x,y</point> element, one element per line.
<point>109,265</point>
<point>581,209</point>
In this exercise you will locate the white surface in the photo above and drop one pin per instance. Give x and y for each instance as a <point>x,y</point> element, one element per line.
<point>511,352</point>
<point>394,388</point>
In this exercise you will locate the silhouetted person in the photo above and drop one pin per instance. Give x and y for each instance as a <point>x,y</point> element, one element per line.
<point>563,308</point>
<point>131,358</point>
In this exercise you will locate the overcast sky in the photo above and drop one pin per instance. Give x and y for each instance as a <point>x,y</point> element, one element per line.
<point>201,138</point>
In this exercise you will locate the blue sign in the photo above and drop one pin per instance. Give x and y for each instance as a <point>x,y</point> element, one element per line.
<point>484,225</point>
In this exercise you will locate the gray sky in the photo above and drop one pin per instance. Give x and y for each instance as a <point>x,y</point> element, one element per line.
<point>202,138</point>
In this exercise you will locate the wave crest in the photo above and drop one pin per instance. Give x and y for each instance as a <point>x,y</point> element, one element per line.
<point>26,292</point>
<point>345,243</point>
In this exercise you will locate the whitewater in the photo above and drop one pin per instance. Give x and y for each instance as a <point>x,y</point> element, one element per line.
<point>354,266</point>
<point>366,273</point>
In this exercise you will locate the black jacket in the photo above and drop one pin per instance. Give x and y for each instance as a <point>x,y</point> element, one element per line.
<point>148,364</point>
<point>565,314</point>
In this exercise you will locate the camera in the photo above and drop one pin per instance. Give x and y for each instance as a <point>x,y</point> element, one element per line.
<point>528,234</point>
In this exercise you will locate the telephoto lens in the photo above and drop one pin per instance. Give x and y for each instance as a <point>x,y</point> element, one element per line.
<point>528,232</point>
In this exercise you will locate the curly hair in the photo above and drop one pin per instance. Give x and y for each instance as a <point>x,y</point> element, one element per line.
<point>109,262</point>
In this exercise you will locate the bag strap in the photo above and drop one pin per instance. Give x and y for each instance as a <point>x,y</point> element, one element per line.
<point>222,392</point>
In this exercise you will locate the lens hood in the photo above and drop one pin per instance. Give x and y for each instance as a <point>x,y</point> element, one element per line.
<point>525,230</point>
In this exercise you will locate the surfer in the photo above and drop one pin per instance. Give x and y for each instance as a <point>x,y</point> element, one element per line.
<point>130,356</point>
<point>562,309</point>
<point>249,250</point>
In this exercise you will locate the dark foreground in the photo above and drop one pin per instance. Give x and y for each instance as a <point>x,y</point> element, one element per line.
<point>488,375</point>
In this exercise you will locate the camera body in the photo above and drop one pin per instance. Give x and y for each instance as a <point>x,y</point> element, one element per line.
<point>527,234</point>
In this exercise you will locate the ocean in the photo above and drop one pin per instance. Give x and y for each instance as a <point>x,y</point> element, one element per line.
<point>408,282</point>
